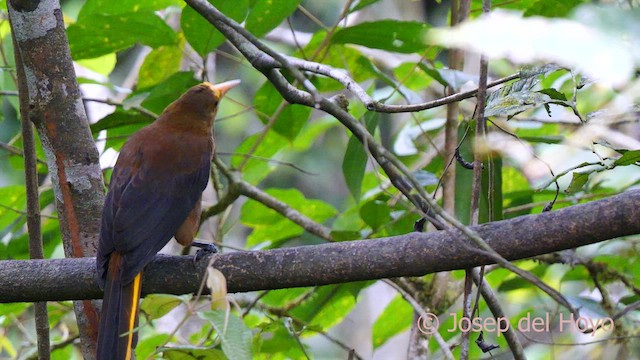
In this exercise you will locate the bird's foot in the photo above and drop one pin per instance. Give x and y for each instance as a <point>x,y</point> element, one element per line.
<point>204,250</point>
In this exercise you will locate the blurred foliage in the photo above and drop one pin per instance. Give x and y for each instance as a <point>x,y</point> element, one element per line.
<point>556,136</point>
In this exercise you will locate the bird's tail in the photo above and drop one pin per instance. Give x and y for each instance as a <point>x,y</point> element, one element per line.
<point>119,317</point>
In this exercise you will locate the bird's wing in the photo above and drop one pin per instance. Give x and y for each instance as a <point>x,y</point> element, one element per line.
<point>147,202</point>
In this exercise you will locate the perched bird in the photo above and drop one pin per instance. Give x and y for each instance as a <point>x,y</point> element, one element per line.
<point>155,194</point>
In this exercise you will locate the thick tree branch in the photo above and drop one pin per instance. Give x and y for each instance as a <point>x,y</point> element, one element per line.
<point>413,254</point>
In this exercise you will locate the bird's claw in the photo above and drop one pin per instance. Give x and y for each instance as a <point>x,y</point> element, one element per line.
<point>204,250</point>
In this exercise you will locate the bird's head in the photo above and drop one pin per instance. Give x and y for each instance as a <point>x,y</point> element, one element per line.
<point>198,106</point>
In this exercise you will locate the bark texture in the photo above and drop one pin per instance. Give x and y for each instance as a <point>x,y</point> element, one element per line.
<point>55,107</point>
<point>413,254</point>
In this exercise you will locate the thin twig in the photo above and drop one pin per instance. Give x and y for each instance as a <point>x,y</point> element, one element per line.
<point>17,211</point>
<point>244,188</point>
<point>34,224</point>
<point>493,303</point>
<point>17,151</point>
<point>423,314</point>
<point>306,327</point>
<point>476,188</point>
<point>343,77</point>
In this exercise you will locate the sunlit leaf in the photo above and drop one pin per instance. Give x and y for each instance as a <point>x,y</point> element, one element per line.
<point>193,352</point>
<point>453,79</point>
<point>628,158</point>
<point>355,159</point>
<point>236,338</point>
<point>577,181</point>
<point>257,165</point>
<point>359,5</point>
<point>93,7</point>
<point>329,304</point>
<point>166,58</point>
<point>390,35</point>
<point>168,91</point>
<point>287,119</point>
<point>201,35</point>
<point>158,305</point>
<point>269,225</point>
<point>104,34</point>
<point>515,98</point>
<point>375,213</point>
<point>552,8</point>
<point>265,15</point>
<point>396,318</point>
<point>120,118</point>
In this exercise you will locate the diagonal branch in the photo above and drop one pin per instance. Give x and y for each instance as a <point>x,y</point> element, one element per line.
<point>261,57</point>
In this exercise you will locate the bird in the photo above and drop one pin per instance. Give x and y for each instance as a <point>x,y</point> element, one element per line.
<point>155,194</point>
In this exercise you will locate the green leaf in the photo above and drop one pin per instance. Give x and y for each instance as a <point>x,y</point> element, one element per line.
<point>103,65</point>
<point>375,213</point>
<point>265,15</point>
<point>516,199</point>
<point>148,345</point>
<point>329,304</point>
<point>312,131</point>
<point>284,297</point>
<point>447,77</point>
<point>396,318</point>
<point>577,181</point>
<point>109,7</point>
<point>103,34</point>
<point>258,166</point>
<point>168,91</point>
<point>117,136</point>
<point>554,94</point>
<point>269,226</point>
<point>13,309</point>
<point>515,98</point>
<point>345,235</point>
<point>476,5</point>
<point>236,338</point>
<point>18,247</point>
<point>552,8</point>
<point>158,305</point>
<point>550,139</point>
<point>527,71</point>
<point>464,179</point>
<point>426,178</point>
<point>361,5</point>
<point>578,273</point>
<point>120,118</point>
<point>159,64</point>
<point>278,340</point>
<point>628,158</point>
<point>411,76</point>
<point>390,35</point>
<point>358,66</point>
<point>290,118</point>
<point>201,35</point>
<point>192,352</point>
<point>13,201</point>
<point>355,158</point>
